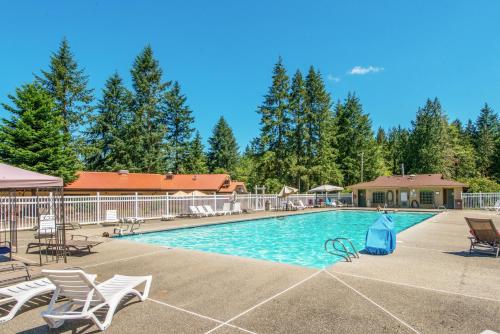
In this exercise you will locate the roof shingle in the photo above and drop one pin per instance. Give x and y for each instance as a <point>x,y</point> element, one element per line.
<point>150,182</point>
<point>408,181</point>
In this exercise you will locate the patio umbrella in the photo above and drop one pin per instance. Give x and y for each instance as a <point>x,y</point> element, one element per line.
<point>286,190</point>
<point>326,188</point>
<point>180,193</point>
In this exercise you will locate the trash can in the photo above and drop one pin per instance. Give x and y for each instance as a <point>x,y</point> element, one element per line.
<point>267,206</point>
<point>458,204</point>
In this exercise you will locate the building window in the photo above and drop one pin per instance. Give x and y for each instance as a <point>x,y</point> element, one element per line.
<point>378,197</point>
<point>426,197</point>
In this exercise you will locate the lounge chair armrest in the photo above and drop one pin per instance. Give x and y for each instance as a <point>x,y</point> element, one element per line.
<point>85,237</point>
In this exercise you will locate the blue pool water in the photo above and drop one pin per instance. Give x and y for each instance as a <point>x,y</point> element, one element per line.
<point>296,239</point>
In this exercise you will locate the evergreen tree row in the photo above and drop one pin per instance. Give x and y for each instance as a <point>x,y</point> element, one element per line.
<point>433,145</point>
<point>305,142</point>
<point>146,129</point>
<point>57,127</point>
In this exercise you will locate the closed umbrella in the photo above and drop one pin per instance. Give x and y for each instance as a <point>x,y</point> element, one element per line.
<point>286,190</point>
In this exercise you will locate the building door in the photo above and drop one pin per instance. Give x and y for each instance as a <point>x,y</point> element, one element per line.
<point>449,198</point>
<point>362,198</point>
<point>403,199</point>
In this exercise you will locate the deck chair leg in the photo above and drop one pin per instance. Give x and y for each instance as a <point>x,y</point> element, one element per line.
<point>107,320</point>
<point>56,323</point>
<point>13,311</point>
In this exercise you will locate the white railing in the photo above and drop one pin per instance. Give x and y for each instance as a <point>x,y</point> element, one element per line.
<point>479,200</point>
<point>92,209</point>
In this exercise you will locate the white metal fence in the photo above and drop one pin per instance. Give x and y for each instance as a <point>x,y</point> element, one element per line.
<point>480,200</point>
<point>92,209</point>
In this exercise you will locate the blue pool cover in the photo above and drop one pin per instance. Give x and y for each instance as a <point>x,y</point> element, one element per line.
<point>381,237</point>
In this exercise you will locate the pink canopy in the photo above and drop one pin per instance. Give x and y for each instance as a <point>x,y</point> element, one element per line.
<point>17,178</point>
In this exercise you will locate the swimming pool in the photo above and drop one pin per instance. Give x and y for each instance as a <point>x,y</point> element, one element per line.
<point>295,239</point>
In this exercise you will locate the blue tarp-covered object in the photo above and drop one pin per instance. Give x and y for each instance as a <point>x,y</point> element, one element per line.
<point>381,237</point>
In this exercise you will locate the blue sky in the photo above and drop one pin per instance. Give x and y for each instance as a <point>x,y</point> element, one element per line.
<point>393,54</point>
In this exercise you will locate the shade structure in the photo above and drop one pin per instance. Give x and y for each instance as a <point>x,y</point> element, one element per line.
<point>197,193</point>
<point>286,190</point>
<point>47,214</point>
<point>326,188</point>
<point>17,178</point>
<point>180,193</point>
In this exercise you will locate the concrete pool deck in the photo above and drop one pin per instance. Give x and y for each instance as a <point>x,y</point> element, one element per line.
<point>429,285</point>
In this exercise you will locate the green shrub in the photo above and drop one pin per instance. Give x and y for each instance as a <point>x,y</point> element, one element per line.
<point>481,185</point>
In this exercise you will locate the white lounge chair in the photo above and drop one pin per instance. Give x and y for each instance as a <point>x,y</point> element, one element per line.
<point>295,207</point>
<point>128,225</point>
<point>237,207</point>
<point>193,211</point>
<point>301,205</point>
<point>85,298</point>
<point>167,217</point>
<point>111,218</point>
<point>21,293</point>
<point>202,211</point>
<point>210,211</point>
<point>226,209</point>
<point>338,204</point>
<point>495,207</point>
<point>305,206</point>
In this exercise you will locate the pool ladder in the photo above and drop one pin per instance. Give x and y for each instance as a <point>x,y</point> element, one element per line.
<point>339,248</point>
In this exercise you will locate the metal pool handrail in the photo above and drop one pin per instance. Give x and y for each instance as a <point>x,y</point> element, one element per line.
<point>344,252</point>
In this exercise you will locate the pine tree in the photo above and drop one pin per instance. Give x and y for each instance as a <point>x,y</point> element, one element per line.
<point>34,137</point>
<point>381,137</point>
<point>275,125</point>
<point>397,150</point>
<point>196,159</point>
<point>245,169</point>
<point>356,143</point>
<point>179,129</point>
<point>298,171</point>
<point>463,158</point>
<point>321,140</point>
<point>487,131</point>
<point>67,84</point>
<point>496,162</point>
<point>429,141</point>
<point>470,131</point>
<point>107,135</point>
<point>148,125</point>
<point>223,149</point>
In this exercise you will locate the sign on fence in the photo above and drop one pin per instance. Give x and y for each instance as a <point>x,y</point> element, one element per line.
<point>47,223</point>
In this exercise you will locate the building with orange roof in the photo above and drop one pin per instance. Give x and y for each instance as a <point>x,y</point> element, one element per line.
<point>422,190</point>
<point>125,183</point>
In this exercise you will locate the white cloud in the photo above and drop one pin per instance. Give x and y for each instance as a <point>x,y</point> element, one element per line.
<point>333,78</point>
<point>360,70</point>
